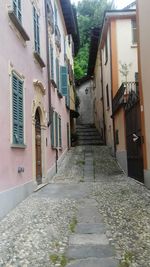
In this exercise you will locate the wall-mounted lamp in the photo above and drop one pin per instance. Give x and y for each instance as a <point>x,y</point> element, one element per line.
<point>86,91</point>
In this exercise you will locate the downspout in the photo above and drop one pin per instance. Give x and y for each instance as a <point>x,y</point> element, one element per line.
<point>112,91</point>
<point>49,78</point>
<point>104,125</point>
<point>48,65</point>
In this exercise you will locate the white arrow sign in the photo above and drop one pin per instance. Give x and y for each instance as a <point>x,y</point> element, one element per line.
<point>135,137</point>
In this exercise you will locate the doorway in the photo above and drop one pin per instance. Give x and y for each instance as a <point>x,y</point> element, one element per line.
<point>38,147</point>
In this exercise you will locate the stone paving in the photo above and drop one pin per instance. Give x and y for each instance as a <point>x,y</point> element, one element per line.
<point>90,215</point>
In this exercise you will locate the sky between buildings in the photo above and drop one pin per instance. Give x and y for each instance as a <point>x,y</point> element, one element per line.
<point>118,3</point>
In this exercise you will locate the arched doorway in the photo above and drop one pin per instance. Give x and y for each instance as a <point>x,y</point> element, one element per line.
<point>38,150</point>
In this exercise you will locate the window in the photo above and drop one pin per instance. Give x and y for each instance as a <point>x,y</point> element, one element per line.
<point>17,9</point>
<point>107,96</point>
<point>60,138</point>
<point>57,74</point>
<point>17,106</point>
<point>55,12</point>
<point>106,51</point>
<point>134,32</point>
<point>36,31</point>
<point>52,61</point>
<point>56,134</point>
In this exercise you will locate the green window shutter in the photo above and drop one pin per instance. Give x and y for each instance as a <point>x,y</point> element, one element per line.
<point>52,131</point>
<point>60,138</point>
<point>17,9</point>
<point>36,31</point>
<point>56,128</point>
<point>55,12</point>
<point>64,80</point>
<point>18,128</point>
<point>52,61</point>
<point>57,74</point>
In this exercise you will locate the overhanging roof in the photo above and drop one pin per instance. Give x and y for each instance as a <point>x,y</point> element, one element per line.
<point>95,35</point>
<point>69,13</point>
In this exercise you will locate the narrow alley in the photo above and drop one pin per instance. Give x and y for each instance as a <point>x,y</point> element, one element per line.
<point>91,214</point>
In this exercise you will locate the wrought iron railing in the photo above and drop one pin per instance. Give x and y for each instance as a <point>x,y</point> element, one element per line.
<point>128,92</point>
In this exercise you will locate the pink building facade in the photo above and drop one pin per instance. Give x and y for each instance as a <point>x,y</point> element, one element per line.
<point>34,114</point>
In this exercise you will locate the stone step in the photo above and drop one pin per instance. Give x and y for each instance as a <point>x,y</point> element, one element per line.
<point>94,251</point>
<point>88,239</point>
<point>94,262</point>
<point>90,228</point>
<point>88,134</point>
<point>90,142</point>
<point>87,130</point>
<point>89,137</point>
<point>81,126</point>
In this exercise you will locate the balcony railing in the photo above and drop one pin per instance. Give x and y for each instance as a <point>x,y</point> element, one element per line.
<point>128,91</point>
<point>57,37</point>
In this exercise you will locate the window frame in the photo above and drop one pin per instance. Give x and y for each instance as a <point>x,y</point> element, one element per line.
<point>134,31</point>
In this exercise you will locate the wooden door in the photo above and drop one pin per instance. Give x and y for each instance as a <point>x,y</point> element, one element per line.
<point>133,137</point>
<point>38,148</point>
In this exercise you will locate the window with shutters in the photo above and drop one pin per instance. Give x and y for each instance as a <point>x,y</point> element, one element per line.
<point>36,31</point>
<point>58,78</point>
<point>17,9</point>
<point>60,138</point>
<point>56,134</point>
<point>17,110</point>
<point>64,84</point>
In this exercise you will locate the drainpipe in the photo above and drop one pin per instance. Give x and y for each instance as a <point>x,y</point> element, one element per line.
<point>48,65</point>
<point>104,125</point>
<point>110,39</point>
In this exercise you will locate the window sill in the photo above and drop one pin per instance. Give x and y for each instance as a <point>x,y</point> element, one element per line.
<point>18,25</point>
<point>18,146</point>
<point>59,94</point>
<point>53,83</point>
<point>106,62</point>
<point>39,59</point>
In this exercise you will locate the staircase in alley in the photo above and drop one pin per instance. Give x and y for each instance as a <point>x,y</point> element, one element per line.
<point>88,135</point>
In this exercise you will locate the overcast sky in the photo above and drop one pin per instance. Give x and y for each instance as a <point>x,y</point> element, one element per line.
<point>118,3</point>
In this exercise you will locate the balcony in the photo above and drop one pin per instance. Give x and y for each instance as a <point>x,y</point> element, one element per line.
<point>39,59</point>
<point>57,37</point>
<point>128,93</point>
<point>18,25</point>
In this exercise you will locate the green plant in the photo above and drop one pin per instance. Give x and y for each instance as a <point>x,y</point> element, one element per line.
<point>73,224</point>
<point>63,261</point>
<point>54,258</point>
<point>127,259</point>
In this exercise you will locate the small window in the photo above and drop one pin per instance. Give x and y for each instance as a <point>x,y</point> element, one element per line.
<point>36,31</point>
<point>107,97</point>
<point>17,9</point>
<point>17,110</point>
<point>56,135</point>
<point>134,31</point>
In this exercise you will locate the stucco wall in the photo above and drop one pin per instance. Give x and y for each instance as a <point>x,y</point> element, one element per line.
<point>126,51</point>
<point>97,95</point>
<point>106,67</point>
<point>144,40</point>
<point>18,55</point>
<point>86,103</point>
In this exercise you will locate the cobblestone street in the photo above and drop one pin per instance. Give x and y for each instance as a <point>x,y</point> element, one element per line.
<point>90,215</point>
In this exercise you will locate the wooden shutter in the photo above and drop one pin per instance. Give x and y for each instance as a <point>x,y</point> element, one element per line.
<point>64,80</point>
<point>57,74</point>
<point>60,138</point>
<point>18,129</point>
<point>17,9</point>
<point>56,128</point>
<point>52,132</point>
<point>36,31</point>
